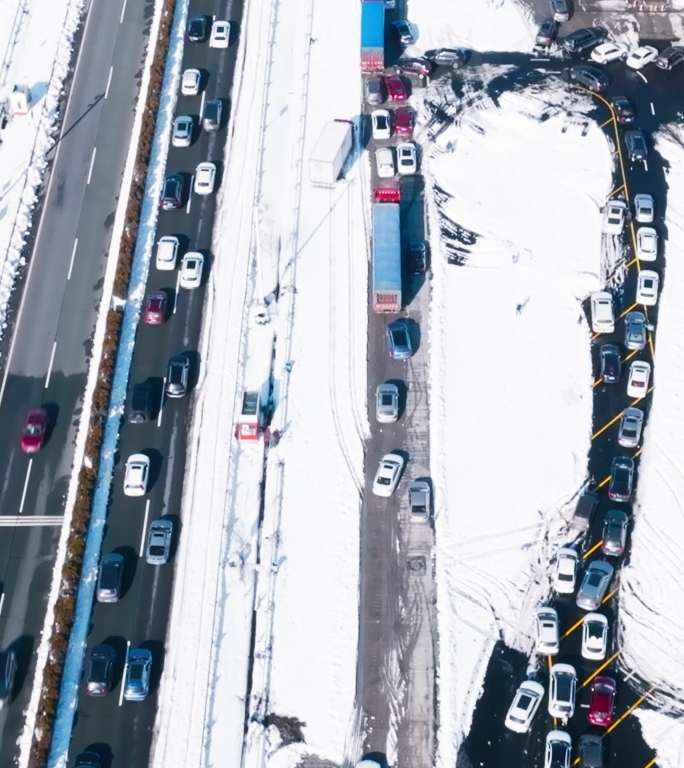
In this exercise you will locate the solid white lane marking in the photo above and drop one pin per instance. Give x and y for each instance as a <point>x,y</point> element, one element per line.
<point>652,108</point>
<point>192,181</point>
<point>175,295</point>
<point>26,482</point>
<point>642,76</point>
<point>144,529</point>
<point>123,676</point>
<point>540,59</point>
<point>92,163</point>
<point>2,602</point>
<point>123,11</point>
<point>73,255</point>
<point>52,360</point>
<point>201,112</point>
<point>161,402</point>
<point>645,166</point>
<point>109,80</point>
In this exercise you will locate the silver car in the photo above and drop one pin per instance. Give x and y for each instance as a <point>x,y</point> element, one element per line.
<point>631,424</point>
<point>614,537</point>
<point>560,10</point>
<point>387,403</point>
<point>183,128</point>
<point>635,331</point>
<point>110,578</point>
<point>594,585</point>
<point>177,376</point>
<point>420,500</point>
<point>138,672</point>
<point>159,542</point>
<point>374,91</point>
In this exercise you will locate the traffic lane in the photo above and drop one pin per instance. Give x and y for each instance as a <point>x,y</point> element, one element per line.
<point>27,562</point>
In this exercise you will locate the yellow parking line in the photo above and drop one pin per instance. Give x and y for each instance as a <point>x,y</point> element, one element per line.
<point>606,426</point>
<point>597,382</point>
<point>593,549</point>
<point>629,309</point>
<point>638,453</point>
<point>603,482</point>
<point>633,261</point>
<point>628,712</point>
<point>619,189</point>
<point>603,125</point>
<point>637,400</point>
<point>650,763</point>
<point>608,596</point>
<point>598,671</point>
<point>650,345</point>
<point>630,355</point>
<point>577,624</point>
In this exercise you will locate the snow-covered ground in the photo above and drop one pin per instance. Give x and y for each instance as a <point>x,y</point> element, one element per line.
<point>298,566</point>
<point>651,588</point>
<point>46,28</point>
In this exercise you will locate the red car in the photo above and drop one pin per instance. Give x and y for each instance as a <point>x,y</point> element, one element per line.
<point>396,90</point>
<point>33,434</point>
<point>154,311</point>
<point>403,121</point>
<point>601,701</point>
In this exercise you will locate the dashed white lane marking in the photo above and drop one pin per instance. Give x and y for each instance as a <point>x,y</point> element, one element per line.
<point>92,163</point>
<point>52,360</point>
<point>73,256</point>
<point>26,482</point>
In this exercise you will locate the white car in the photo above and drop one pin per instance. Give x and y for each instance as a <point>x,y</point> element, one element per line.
<point>388,474</point>
<point>606,52</point>
<point>602,316</point>
<point>565,576</point>
<point>614,217</point>
<point>647,244</point>
<point>644,208</point>
<point>638,379</point>
<point>594,637</point>
<point>641,56</point>
<point>205,178</point>
<point>191,270</point>
<point>647,288</point>
<point>190,82</point>
<point>136,475</point>
<point>183,128</point>
<point>524,706</point>
<point>562,692</point>
<point>381,123</point>
<point>220,34</point>
<point>558,752</point>
<point>407,158</point>
<point>167,253</point>
<point>384,162</point>
<point>547,634</point>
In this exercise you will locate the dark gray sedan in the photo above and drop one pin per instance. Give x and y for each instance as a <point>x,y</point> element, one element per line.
<point>635,141</point>
<point>159,542</point>
<point>635,331</point>
<point>594,585</point>
<point>615,526</point>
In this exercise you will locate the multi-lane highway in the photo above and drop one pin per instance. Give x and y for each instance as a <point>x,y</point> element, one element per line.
<point>49,349</point>
<point>119,730</point>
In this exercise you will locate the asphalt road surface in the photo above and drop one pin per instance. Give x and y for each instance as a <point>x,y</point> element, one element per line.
<point>48,352</point>
<point>121,731</point>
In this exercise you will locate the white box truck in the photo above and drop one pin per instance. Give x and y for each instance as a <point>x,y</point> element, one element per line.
<point>330,152</point>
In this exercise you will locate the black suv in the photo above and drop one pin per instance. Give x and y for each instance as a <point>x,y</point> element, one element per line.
<point>447,57</point>
<point>198,29</point>
<point>624,111</point>
<point>547,32</point>
<point>141,407</point>
<point>636,145</point>
<point>177,376</point>
<point>99,676</point>
<point>211,118</point>
<point>172,194</point>
<point>583,39</point>
<point>611,364</point>
<point>593,78</point>
<point>670,57</point>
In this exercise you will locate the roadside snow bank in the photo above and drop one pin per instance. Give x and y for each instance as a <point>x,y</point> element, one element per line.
<point>511,369</point>
<point>651,588</point>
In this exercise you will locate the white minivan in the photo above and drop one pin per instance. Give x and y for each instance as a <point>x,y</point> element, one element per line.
<point>602,317</point>
<point>167,253</point>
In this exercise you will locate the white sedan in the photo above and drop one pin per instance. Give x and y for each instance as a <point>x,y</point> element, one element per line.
<point>638,379</point>
<point>388,474</point>
<point>191,270</point>
<point>614,217</point>
<point>547,634</point>
<point>190,82</point>
<point>644,208</point>
<point>220,34</point>
<point>384,162</point>
<point>407,158</point>
<point>594,637</point>
<point>641,56</point>
<point>565,577</point>
<point>136,475</point>
<point>606,52</point>
<point>524,706</point>
<point>647,244</point>
<point>381,124</point>
<point>647,288</point>
<point>205,178</point>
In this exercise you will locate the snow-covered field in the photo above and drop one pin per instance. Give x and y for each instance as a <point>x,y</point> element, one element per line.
<point>46,28</point>
<point>298,566</point>
<point>651,587</point>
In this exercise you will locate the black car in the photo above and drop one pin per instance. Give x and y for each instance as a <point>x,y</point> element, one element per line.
<point>172,194</point>
<point>177,376</point>
<point>614,537</point>
<point>198,29</point>
<point>583,39</point>
<point>590,77</point>
<point>99,676</point>
<point>611,363</point>
<point>621,479</point>
<point>88,760</point>
<point>670,57</point>
<point>211,117</point>
<point>417,259</point>
<point>142,403</point>
<point>447,57</point>
<point>624,110</point>
<point>547,32</point>
<point>421,67</point>
<point>110,578</point>
<point>635,142</point>
<point>591,751</point>
<point>8,671</point>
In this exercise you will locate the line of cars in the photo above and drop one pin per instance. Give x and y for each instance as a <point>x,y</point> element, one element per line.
<point>593,589</point>
<point>147,398</point>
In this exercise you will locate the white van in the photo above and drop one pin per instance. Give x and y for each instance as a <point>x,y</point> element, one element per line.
<point>167,252</point>
<point>602,317</point>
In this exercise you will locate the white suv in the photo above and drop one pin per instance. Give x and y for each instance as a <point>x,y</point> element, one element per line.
<point>136,475</point>
<point>562,692</point>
